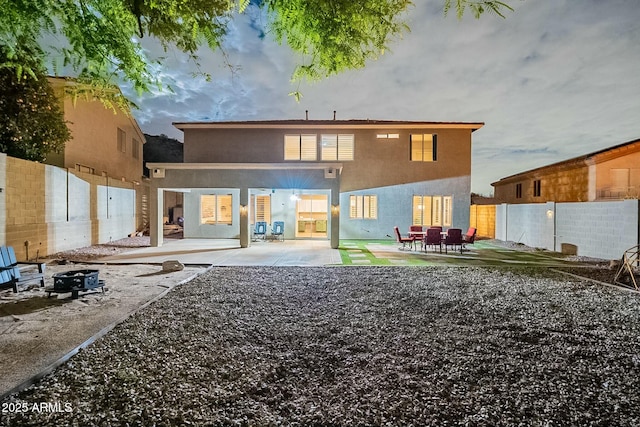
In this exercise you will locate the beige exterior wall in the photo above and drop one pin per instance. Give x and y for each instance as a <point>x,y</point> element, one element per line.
<point>94,143</point>
<point>377,162</point>
<point>619,178</point>
<point>612,173</point>
<point>556,184</point>
<point>26,228</point>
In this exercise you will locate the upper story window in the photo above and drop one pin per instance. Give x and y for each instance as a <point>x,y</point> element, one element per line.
<point>518,191</point>
<point>300,147</point>
<point>122,141</point>
<point>337,147</point>
<point>424,147</point>
<point>537,187</point>
<point>388,136</point>
<point>135,148</point>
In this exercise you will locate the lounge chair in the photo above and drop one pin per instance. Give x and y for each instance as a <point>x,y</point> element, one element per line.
<point>260,230</point>
<point>470,237</point>
<point>16,273</point>
<point>277,231</point>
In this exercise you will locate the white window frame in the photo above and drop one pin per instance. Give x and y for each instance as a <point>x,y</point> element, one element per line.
<point>363,206</point>
<point>432,210</point>
<point>301,147</point>
<point>337,147</point>
<point>211,212</point>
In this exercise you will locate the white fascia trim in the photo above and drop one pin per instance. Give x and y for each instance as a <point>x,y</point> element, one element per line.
<point>435,125</point>
<point>244,166</point>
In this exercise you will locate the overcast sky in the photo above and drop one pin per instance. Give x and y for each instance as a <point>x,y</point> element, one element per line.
<point>554,80</point>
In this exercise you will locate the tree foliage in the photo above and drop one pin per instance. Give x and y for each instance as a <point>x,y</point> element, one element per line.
<point>33,123</point>
<point>100,39</point>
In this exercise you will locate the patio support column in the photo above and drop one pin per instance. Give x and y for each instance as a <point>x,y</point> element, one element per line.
<point>156,208</point>
<point>335,218</point>
<point>244,217</point>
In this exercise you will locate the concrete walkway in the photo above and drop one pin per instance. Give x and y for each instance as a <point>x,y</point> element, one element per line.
<point>227,252</point>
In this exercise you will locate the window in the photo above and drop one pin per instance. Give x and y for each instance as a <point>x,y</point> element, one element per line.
<point>261,208</point>
<point>122,141</point>
<point>300,147</point>
<point>424,147</point>
<point>432,210</point>
<point>388,136</point>
<point>363,207</point>
<point>336,147</point>
<point>536,188</point>
<point>216,209</point>
<point>518,191</point>
<point>135,148</point>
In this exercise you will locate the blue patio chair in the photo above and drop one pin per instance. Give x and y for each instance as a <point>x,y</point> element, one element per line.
<point>260,230</point>
<point>278,230</point>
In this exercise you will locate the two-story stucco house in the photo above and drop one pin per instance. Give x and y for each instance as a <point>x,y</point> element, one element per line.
<point>325,179</point>
<point>608,174</point>
<point>103,141</point>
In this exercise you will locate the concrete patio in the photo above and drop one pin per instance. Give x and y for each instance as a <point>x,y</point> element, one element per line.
<point>227,252</point>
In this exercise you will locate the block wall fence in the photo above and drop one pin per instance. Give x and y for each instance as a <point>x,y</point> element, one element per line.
<point>46,209</point>
<point>593,229</point>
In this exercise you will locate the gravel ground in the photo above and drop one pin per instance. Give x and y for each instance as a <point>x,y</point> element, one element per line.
<point>358,346</point>
<point>92,253</point>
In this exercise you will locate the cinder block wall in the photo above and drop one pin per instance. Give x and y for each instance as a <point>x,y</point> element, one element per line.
<point>3,198</point>
<point>529,224</point>
<point>596,229</point>
<point>49,209</point>
<point>26,227</point>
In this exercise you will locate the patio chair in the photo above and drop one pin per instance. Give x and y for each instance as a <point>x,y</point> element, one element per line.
<point>15,273</point>
<point>277,231</point>
<point>432,238</point>
<point>401,239</point>
<point>416,237</point>
<point>260,230</point>
<point>453,239</point>
<point>470,237</point>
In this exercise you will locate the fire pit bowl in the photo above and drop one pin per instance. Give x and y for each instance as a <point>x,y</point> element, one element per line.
<point>79,279</point>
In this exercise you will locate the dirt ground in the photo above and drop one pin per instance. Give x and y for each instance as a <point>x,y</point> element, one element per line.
<point>37,331</point>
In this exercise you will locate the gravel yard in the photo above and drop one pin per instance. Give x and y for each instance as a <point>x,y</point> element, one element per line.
<point>358,346</point>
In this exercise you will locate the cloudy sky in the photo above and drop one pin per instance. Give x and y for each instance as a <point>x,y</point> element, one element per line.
<point>554,80</point>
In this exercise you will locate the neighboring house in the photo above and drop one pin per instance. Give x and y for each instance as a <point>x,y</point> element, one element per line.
<point>609,174</point>
<point>90,193</point>
<point>103,141</point>
<point>326,179</point>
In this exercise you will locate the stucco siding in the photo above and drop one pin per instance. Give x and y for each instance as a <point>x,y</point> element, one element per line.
<point>395,207</point>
